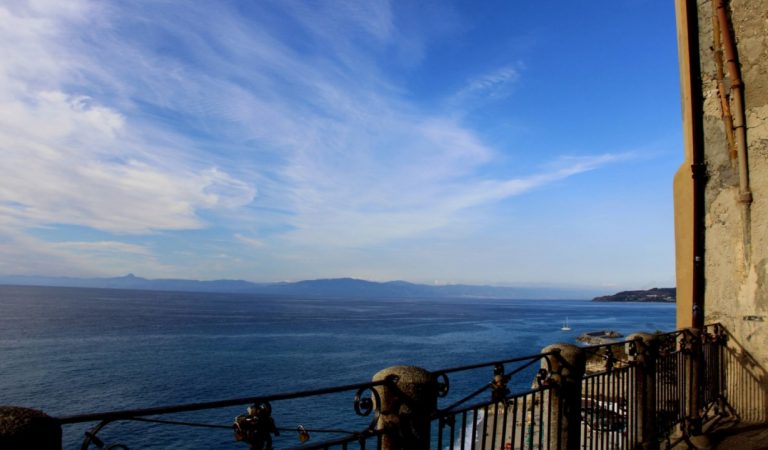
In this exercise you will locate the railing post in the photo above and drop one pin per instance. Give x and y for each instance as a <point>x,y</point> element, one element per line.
<point>694,378</point>
<point>566,368</point>
<point>643,404</point>
<point>406,407</point>
<point>23,428</point>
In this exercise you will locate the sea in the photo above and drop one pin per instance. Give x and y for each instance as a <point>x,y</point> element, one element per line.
<point>70,351</point>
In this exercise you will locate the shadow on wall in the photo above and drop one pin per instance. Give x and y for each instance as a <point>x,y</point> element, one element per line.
<point>746,384</point>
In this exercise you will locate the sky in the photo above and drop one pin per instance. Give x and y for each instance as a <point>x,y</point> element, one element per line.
<point>482,142</point>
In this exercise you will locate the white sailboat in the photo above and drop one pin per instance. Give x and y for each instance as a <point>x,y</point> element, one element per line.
<point>565,326</point>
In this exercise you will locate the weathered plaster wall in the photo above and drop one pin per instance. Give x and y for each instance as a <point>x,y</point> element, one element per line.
<point>736,235</point>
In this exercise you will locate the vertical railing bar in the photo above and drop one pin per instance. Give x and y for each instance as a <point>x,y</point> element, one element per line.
<point>690,394</point>
<point>661,372</point>
<point>591,415</point>
<point>463,430</point>
<point>612,396</point>
<point>630,399</point>
<point>495,424</point>
<point>604,392</point>
<point>514,422</point>
<point>474,428</point>
<point>659,380</point>
<point>485,426</point>
<point>620,420</point>
<point>596,436</point>
<point>551,418</point>
<point>541,419</point>
<point>532,424</point>
<point>599,413</point>
<point>616,396</point>
<point>522,423</point>
<point>608,417</point>
<point>588,394</point>
<point>504,424</point>
<point>689,382</point>
<point>627,386</point>
<point>559,421</point>
<point>631,405</point>
<point>453,431</point>
<point>670,373</point>
<point>624,407</point>
<point>440,430</point>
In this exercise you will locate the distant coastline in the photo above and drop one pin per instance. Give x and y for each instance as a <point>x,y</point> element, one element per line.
<point>661,295</point>
<point>322,288</point>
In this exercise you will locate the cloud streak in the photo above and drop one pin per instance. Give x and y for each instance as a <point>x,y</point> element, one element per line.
<point>140,118</point>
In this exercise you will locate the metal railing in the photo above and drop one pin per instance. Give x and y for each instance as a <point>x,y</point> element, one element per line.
<point>256,426</point>
<point>653,388</point>
<point>499,414</point>
<point>647,391</point>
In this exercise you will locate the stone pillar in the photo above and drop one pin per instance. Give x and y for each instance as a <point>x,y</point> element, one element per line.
<point>642,405</point>
<point>24,429</point>
<point>567,372</point>
<point>406,407</point>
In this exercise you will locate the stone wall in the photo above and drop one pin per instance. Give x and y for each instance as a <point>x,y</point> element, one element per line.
<point>735,233</point>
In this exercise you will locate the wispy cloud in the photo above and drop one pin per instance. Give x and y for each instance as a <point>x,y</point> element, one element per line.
<point>494,85</point>
<point>251,242</point>
<point>70,159</point>
<point>136,118</point>
<point>103,247</point>
<point>414,208</point>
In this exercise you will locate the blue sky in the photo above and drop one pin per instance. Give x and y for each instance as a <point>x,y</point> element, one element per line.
<point>440,142</point>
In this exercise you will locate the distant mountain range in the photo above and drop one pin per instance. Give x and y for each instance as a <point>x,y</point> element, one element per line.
<point>328,288</point>
<point>666,295</point>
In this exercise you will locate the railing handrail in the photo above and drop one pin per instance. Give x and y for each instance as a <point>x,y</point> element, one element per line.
<point>131,413</point>
<point>534,357</point>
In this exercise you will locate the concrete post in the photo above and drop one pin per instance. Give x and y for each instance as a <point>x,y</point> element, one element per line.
<point>406,407</point>
<point>23,429</point>
<point>643,404</point>
<point>567,368</point>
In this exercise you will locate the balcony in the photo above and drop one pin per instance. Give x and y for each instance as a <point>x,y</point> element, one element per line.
<point>651,391</point>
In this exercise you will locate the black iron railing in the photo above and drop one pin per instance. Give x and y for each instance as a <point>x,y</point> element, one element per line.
<point>256,426</point>
<point>642,391</point>
<point>652,388</point>
<point>499,414</point>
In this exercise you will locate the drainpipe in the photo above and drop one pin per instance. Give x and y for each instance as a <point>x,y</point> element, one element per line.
<point>739,119</point>
<point>690,28</point>
<point>725,103</point>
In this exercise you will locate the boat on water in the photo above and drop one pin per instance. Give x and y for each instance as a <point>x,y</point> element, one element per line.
<point>565,326</point>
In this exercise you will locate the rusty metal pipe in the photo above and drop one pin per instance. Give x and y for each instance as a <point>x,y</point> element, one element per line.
<point>725,105</point>
<point>737,96</point>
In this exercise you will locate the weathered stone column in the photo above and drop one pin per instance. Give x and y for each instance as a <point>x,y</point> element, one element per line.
<point>406,407</point>
<point>24,429</point>
<point>643,402</point>
<point>567,371</point>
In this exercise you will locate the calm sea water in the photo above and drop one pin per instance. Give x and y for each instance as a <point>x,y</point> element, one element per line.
<point>70,351</point>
